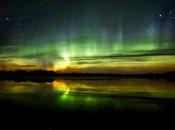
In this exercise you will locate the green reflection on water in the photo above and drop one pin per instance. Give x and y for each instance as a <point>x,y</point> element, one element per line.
<point>95,95</point>
<point>96,103</point>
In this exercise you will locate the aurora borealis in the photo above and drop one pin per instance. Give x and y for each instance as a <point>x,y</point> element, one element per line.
<point>98,36</point>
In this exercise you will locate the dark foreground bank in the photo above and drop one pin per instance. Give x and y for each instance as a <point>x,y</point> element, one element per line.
<point>25,116</point>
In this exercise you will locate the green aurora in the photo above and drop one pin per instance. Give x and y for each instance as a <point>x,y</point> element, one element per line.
<point>84,53</point>
<point>91,38</point>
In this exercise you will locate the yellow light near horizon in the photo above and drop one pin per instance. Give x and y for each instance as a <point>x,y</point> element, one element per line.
<point>61,87</point>
<point>61,65</point>
<point>59,84</point>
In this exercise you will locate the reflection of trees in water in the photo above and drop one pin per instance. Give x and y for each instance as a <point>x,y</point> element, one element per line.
<point>128,86</point>
<point>24,86</point>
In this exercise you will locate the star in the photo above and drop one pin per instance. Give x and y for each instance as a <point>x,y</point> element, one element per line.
<point>53,27</point>
<point>169,24</point>
<point>7,19</point>
<point>160,15</point>
<point>52,38</point>
<point>18,23</point>
<point>41,2</point>
<point>51,10</point>
<point>36,37</point>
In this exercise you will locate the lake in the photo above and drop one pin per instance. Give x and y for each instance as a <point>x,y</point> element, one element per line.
<point>77,99</point>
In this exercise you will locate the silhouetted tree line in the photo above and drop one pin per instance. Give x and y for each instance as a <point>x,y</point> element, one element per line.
<point>21,73</point>
<point>45,73</point>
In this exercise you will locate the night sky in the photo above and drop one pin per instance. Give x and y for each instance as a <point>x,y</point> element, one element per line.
<point>99,36</point>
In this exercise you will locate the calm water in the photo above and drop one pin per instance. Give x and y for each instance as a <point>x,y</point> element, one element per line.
<point>122,98</point>
<point>89,94</point>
